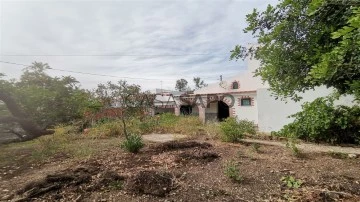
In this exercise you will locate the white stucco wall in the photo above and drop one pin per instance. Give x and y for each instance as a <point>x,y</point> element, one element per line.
<point>272,114</point>
<point>246,112</point>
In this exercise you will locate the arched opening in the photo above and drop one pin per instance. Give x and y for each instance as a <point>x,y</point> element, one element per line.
<point>185,109</point>
<point>223,111</point>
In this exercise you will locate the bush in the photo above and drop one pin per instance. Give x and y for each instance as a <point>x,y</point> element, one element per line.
<point>291,144</point>
<point>321,121</point>
<point>233,130</point>
<point>232,171</point>
<point>133,143</point>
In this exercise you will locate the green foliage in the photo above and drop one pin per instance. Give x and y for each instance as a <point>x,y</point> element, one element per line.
<point>147,125</point>
<point>47,100</point>
<point>233,130</point>
<point>306,43</point>
<point>3,110</point>
<point>168,120</point>
<point>232,171</point>
<point>133,143</point>
<point>113,128</point>
<point>291,182</point>
<point>62,144</point>
<point>186,125</point>
<point>164,123</point>
<point>181,85</point>
<point>129,97</point>
<point>321,121</point>
<point>199,83</point>
<point>116,185</point>
<point>291,144</point>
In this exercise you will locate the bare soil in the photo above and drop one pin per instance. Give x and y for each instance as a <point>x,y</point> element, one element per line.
<point>184,171</point>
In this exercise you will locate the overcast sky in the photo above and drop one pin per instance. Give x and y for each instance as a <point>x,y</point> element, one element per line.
<point>157,40</point>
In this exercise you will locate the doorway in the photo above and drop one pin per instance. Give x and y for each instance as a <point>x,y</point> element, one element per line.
<point>223,111</point>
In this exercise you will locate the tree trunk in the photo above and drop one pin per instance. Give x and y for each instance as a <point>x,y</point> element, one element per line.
<point>18,116</point>
<point>124,126</point>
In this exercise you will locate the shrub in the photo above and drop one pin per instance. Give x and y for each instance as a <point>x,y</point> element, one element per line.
<point>233,131</point>
<point>321,121</point>
<point>232,171</point>
<point>113,129</point>
<point>133,143</point>
<point>291,144</point>
<point>291,182</point>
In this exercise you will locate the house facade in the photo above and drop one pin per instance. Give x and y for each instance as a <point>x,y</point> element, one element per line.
<point>232,97</point>
<point>245,97</point>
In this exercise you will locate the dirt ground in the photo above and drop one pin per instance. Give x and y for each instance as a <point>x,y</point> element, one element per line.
<point>182,171</point>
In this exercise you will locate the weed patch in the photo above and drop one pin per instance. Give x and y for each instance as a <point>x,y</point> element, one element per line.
<point>232,171</point>
<point>291,182</point>
<point>133,143</point>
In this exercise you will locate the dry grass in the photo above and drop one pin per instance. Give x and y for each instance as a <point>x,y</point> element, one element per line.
<point>63,144</point>
<point>67,142</point>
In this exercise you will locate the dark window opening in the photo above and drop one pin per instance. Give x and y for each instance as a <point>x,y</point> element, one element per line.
<point>185,110</point>
<point>223,111</point>
<point>235,85</point>
<point>246,102</point>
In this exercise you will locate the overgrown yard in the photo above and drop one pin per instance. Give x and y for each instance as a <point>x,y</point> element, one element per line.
<point>81,168</point>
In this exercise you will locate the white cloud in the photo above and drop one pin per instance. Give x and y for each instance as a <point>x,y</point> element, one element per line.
<point>126,28</point>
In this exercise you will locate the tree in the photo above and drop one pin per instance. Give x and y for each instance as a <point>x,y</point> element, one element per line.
<point>306,43</point>
<point>129,98</point>
<point>38,101</point>
<point>50,100</point>
<point>199,83</point>
<point>18,116</point>
<point>181,85</point>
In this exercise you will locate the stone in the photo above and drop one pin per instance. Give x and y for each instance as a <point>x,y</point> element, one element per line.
<point>352,156</point>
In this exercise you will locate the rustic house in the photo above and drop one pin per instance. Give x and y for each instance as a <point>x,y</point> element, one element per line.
<point>245,97</point>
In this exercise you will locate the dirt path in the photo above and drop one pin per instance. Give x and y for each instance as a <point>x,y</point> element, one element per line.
<point>309,147</point>
<point>163,137</point>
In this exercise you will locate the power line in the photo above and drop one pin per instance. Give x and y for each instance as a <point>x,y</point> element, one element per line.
<point>104,75</point>
<point>85,73</point>
<point>109,55</point>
